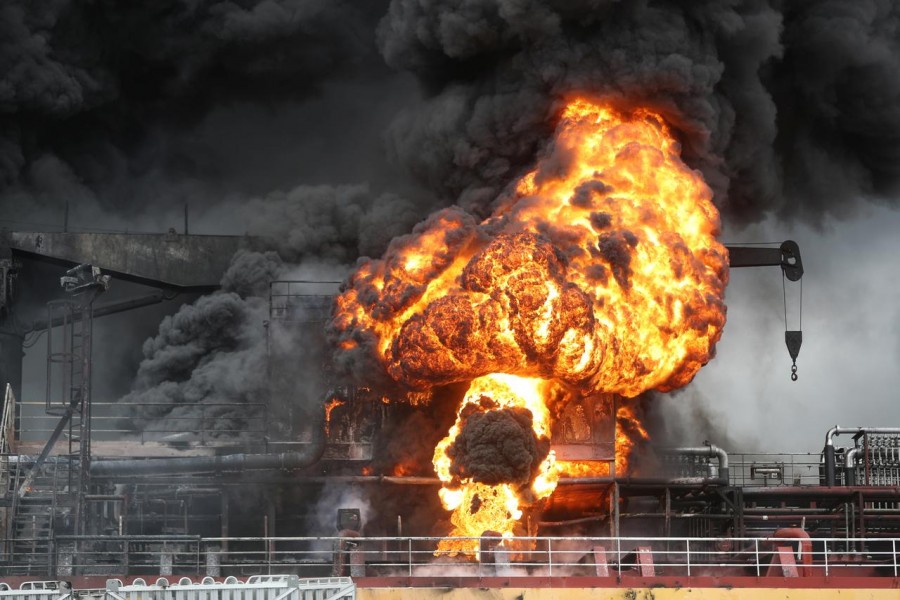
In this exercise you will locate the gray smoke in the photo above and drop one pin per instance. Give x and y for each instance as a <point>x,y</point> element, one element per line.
<point>210,366</point>
<point>205,371</point>
<point>339,223</point>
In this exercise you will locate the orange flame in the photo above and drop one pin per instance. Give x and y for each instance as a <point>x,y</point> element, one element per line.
<point>599,271</point>
<point>329,408</point>
<point>478,507</point>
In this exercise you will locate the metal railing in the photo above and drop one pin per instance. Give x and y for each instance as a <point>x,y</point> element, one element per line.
<point>507,557</point>
<point>301,301</point>
<point>203,424</point>
<point>770,469</point>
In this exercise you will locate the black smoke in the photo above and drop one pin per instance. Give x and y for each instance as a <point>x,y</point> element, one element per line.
<point>127,111</point>
<point>328,128</point>
<point>497,446</point>
<point>786,107</point>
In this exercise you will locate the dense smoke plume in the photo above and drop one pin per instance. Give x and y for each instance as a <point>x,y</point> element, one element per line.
<point>120,101</point>
<point>498,446</point>
<point>789,108</point>
<point>786,107</point>
<point>207,367</point>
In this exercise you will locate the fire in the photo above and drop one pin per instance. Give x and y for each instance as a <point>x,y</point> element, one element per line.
<point>329,408</point>
<point>584,468</point>
<point>600,272</point>
<point>629,432</point>
<point>472,491</point>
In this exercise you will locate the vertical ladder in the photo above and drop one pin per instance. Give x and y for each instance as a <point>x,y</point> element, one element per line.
<point>68,389</point>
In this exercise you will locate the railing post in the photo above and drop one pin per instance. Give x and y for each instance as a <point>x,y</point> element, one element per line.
<point>688,555</point>
<point>894,549</point>
<point>550,557</point>
<point>756,551</point>
<point>619,555</point>
<point>409,556</point>
<point>825,550</point>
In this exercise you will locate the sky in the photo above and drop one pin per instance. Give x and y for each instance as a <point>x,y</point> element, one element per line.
<point>847,367</point>
<point>329,128</point>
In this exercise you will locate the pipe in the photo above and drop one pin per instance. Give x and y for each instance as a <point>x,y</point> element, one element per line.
<point>708,451</point>
<point>643,481</point>
<point>204,464</point>
<point>849,467</point>
<point>107,309</point>
<point>218,464</point>
<point>829,445</point>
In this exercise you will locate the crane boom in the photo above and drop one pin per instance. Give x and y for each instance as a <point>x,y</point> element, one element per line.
<point>787,256</point>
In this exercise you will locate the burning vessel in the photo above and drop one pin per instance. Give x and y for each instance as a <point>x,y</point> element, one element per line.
<point>479,415</point>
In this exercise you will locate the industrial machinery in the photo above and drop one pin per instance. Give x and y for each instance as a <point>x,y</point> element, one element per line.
<point>82,503</point>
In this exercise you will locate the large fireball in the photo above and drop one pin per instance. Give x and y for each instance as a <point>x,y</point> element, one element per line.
<point>599,271</point>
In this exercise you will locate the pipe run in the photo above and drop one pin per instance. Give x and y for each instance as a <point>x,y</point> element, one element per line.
<point>221,464</point>
<point>829,445</point>
<point>710,451</point>
<point>207,464</point>
<point>849,467</point>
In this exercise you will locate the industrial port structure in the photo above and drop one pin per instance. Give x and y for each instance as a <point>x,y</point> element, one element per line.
<point>88,495</point>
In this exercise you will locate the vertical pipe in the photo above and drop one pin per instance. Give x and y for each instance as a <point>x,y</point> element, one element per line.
<point>829,465</point>
<point>668,512</point>
<point>224,524</point>
<point>867,457</point>
<point>270,533</point>
<point>862,520</point>
<point>616,506</point>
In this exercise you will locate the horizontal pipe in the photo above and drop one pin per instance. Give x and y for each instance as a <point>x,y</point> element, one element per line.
<point>757,510</point>
<point>710,451</point>
<point>871,493</point>
<point>222,464</point>
<point>107,309</point>
<point>648,481</point>
<point>838,430</point>
<point>205,464</point>
<point>582,520</point>
<point>371,479</point>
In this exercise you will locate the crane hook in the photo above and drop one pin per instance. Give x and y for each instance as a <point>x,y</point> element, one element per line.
<point>793,340</point>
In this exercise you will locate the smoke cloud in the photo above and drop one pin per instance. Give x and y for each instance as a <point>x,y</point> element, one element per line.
<point>497,446</point>
<point>207,367</point>
<point>205,370</point>
<point>786,107</point>
<point>329,128</point>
